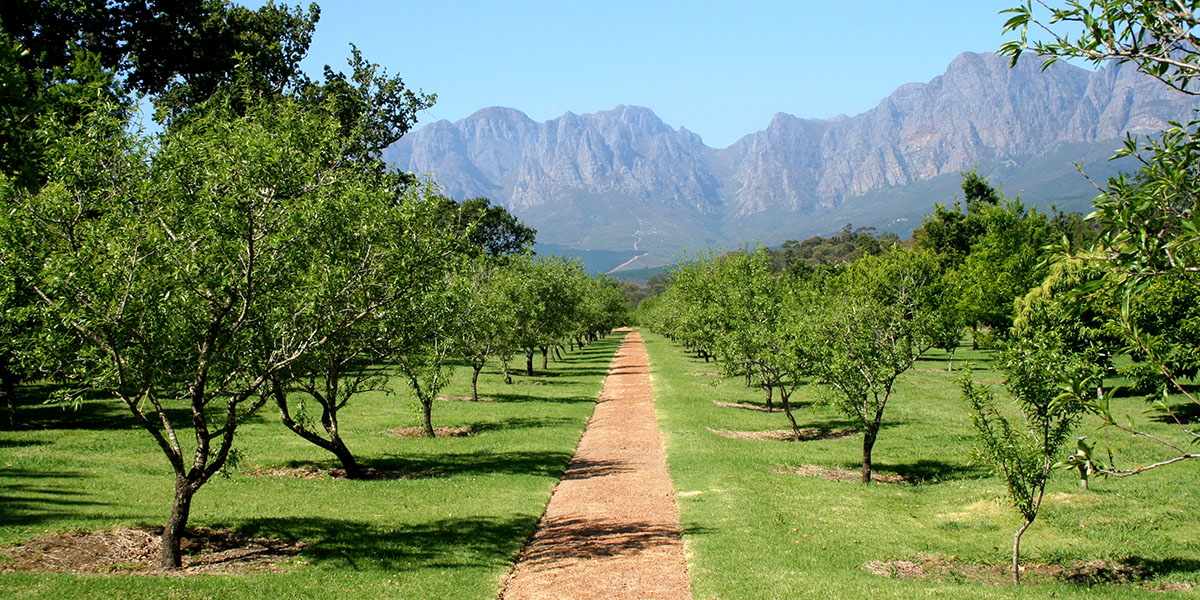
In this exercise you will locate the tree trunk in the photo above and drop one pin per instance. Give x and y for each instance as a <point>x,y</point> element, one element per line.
<point>545,358</point>
<point>784,398</point>
<point>171,557</point>
<point>974,336</point>
<point>950,363</point>
<point>477,367</point>
<point>8,389</point>
<point>427,415</point>
<point>529,361</point>
<point>1016,557</point>
<point>349,463</point>
<point>770,395</point>
<point>868,444</point>
<point>329,420</point>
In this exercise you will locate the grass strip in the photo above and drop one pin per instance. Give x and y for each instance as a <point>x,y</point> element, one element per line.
<point>765,518</point>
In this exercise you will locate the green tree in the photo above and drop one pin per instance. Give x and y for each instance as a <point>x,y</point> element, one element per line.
<point>484,319</point>
<point>186,271</point>
<point>493,229</point>
<point>426,371</point>
<point>1004,263</point>
<point>868,327</point>
<point>1034,364</point>
<point>547,305</point>
<point>371,276</point>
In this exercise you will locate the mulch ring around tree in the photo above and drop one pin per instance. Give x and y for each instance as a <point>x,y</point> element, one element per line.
<point>136,551</point>
<point>315,472</point>
<point>463,399</point>
<point>838,474</point>
<point>785,435</point>
<point>942,568</point>
<point>773,409</point>
<point>416,432</point>
<point>705,374</point>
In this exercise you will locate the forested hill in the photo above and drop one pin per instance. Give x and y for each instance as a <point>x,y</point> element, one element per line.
<point>625,183</point>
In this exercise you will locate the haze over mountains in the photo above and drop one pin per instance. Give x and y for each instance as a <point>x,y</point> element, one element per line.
<point>623,189</point>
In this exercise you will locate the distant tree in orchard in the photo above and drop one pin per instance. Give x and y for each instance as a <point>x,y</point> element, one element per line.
<point>484,319</point>
<point>866,328</point>
<point>995,249</point>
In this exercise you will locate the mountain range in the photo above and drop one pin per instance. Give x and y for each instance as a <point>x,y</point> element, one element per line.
<point>624,190</point>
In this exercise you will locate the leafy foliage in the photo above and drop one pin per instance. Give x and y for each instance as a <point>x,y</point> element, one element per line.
<point>1148,249</point>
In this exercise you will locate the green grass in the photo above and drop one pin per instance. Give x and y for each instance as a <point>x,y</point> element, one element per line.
<point>754,530</point>
<point>453,534</point>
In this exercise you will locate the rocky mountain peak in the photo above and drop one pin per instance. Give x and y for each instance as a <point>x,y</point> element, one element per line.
<point>612,177</point>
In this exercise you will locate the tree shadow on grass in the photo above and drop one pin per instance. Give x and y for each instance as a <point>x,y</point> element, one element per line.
<point>929,471</point>
<point>1162,567</point>
<point>548,464</point>
<point>30,498</point>
<point>360,546</point>
<point>95,412</point>
<point>1185,414</point>
<point>565,371</point>
<point>519,423</point>
<point>527,398</point>
<point>22,443</point>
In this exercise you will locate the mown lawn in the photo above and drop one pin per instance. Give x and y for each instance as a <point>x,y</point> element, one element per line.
<point>452,532</point>
<point>756,529</point>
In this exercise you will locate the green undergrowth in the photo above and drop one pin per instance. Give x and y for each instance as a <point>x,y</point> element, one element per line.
<point>755,528</point>
<point>449,530</point>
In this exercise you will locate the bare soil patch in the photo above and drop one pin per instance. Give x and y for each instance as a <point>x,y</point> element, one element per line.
<point>785,435</point>
<point>415,432</point>
<point>747,406</point>
<point>136,551</point>
<point>464,399</point>
<point>705,374</point>
<point>611,530</point>
<point>528,383</point>
<point>839,474</point>
<point>941,568</point>
<point>315,472</point>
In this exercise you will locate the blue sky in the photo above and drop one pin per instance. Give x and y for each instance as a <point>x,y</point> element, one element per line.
<point>721,69</point>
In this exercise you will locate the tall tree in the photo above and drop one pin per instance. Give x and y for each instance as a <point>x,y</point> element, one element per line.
<point>186,271</point>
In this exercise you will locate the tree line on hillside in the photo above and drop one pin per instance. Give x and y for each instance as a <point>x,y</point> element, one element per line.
<point>256,249</point>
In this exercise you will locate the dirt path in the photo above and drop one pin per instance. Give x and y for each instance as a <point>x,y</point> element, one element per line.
<point>612,527</point>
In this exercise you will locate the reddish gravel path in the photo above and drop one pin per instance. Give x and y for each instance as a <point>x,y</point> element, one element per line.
<point>611,530</point>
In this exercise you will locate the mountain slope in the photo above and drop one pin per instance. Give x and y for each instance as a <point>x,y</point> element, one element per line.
<point>624,182</point>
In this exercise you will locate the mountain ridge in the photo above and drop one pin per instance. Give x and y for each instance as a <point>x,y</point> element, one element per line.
<point>623,180</point>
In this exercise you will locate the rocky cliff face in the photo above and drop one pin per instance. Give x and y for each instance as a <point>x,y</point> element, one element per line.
<point>979,112</point>
<point>627,152</point>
